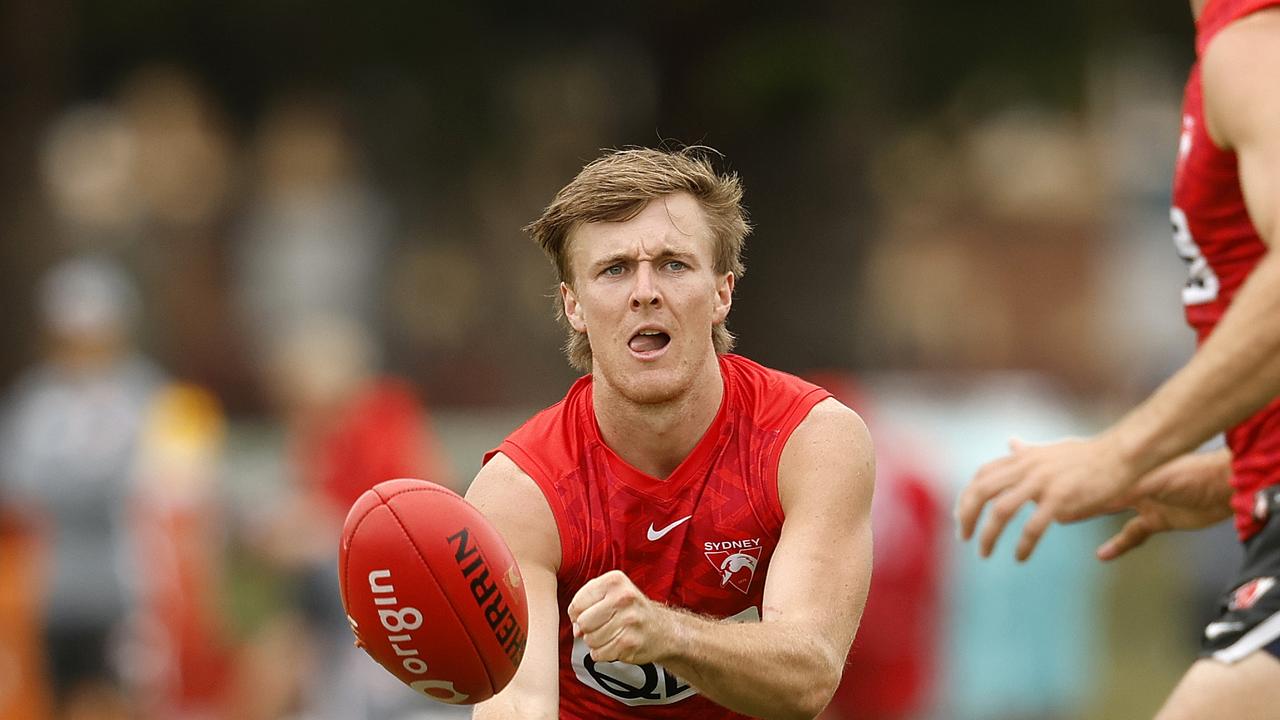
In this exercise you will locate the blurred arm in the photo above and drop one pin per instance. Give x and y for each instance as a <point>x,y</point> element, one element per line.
<point>1187,493</point>
<point>513,503</point>
<point>1237,370</point>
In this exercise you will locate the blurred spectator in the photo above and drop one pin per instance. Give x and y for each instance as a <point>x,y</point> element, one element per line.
<point>1014,646</point>
<point>347,429</point>
<point>179,652</point>
<point>184,165</point>
<point>317,234</point>
<point>67,449</point>
<point>892,670</point>
<point>88,163</point>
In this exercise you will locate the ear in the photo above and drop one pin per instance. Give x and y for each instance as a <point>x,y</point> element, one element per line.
<point>572,310</point>
<point>724,297</point>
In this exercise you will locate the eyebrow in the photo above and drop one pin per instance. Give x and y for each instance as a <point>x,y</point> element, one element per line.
<point>675,253</point>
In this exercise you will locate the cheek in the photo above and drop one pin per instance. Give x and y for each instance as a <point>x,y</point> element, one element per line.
<point>595,310</point>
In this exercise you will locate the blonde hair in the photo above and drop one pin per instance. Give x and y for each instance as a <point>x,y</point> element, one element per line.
<point>616,187</point>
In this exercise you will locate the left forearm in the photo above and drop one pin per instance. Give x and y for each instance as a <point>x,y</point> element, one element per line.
<point>767,670</point>
<point>1235,372</point>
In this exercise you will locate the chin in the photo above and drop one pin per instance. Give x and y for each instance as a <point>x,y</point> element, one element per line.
<point>647,386</point>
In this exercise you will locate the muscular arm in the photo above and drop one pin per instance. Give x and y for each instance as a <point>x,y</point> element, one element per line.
<point>1237,370</point>
<point>1233,374</point>
<point>787,665</point>
<point>514,504</point>
<point>790,663</point>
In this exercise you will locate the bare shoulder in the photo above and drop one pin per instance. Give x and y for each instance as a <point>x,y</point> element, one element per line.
<point>829,455</point>
<point>512,501</point>
<point>1240,69</point>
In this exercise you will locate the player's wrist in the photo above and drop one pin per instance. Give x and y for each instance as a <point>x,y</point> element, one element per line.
<point>1134,450</point>
<point>676,634</point>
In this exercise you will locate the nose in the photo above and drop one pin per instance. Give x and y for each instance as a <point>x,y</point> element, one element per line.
<point>645,291</point>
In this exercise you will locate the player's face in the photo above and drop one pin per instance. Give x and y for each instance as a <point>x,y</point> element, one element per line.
<point>647,295</point>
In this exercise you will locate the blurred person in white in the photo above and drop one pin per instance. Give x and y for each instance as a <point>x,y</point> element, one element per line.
<point>68,441</point>
<point>1226,213</point>
<point>316,237</point>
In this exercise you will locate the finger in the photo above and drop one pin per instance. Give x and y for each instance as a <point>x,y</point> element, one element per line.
<point>990,480</point>
<point>595,617</point>
<point>1119,504</point>
<point>1016,445</point>
<point>603,643</point>
<point>999,515</point>
<point>1035,528</point>
<point>591,592</point>
<point>1134,533</point>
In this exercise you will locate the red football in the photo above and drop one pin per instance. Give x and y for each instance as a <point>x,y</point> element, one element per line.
<point>432,591</point>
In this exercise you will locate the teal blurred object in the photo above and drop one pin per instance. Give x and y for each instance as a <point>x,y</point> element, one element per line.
<point>1021,640</point>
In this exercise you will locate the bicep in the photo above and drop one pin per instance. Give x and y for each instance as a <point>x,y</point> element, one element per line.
<point>1241,69</point>
<point>513,503</point>
<point>821,569</point>
<point>1260,182</point>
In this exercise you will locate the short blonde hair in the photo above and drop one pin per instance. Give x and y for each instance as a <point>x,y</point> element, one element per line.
<point>616,187</point>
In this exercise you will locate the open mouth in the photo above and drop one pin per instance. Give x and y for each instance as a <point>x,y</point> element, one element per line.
<point>647,342</point>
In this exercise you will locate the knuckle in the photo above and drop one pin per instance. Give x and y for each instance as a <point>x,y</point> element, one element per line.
<point>595,642</point>
<point>979,489</point>
<point>1003,509</point>
<point>626,645</point>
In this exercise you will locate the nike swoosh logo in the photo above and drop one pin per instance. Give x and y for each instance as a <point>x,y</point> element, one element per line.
<point>1213,630</point>
<point>657,534</point>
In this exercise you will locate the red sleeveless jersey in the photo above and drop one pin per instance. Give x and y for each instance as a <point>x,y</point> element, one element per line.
<point>1214,235</point>
<point>700,539</point>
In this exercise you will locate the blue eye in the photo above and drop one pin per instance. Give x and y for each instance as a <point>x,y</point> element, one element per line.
<point>612,270</point>
<point>677,265</point>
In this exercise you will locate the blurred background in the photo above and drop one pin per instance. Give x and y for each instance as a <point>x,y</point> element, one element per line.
<point>256,257</point>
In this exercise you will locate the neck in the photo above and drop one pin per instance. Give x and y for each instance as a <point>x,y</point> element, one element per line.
<point>1197,7</point>
<point>656,437</point>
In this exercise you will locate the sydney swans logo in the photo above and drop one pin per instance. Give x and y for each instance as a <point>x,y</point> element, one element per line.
<point>735,560</point>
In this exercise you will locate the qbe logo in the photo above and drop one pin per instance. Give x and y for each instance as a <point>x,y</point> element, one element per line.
<point>648,684</point>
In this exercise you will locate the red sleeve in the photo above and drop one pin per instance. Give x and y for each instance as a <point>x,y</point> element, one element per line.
<point>533,450</point>
<point>791,419</point>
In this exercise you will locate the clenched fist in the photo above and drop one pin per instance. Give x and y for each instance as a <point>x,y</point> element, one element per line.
<point>618,622</point>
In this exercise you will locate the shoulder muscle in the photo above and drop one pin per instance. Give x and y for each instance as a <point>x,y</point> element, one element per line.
<point>1241,71</point>
<point>512,501</point>
<point>829,456</point>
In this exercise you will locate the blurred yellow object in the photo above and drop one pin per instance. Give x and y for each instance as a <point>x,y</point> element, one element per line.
<point>181,444</point>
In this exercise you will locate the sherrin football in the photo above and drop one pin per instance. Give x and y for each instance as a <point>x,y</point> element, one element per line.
<point>432,592</point>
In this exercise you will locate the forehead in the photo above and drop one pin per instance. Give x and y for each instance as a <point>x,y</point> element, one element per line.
<point>666,224</point>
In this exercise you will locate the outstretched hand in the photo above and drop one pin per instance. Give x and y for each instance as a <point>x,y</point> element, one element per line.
<point>1068,481</point>
<point>1187,493</point>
